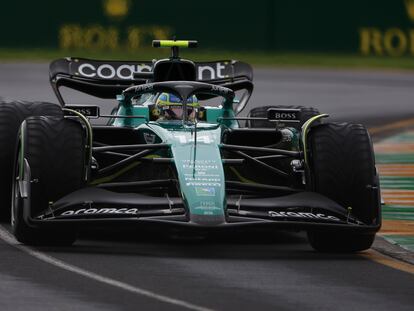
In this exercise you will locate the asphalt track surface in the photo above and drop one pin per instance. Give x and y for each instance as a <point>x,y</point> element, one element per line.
<point>279,271</point>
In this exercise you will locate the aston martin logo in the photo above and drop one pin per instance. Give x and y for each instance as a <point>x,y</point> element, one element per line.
<point>116,8</point>
<point>409,7</point>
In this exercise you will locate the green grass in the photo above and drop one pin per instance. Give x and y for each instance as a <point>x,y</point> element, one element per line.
<point>277,59</point>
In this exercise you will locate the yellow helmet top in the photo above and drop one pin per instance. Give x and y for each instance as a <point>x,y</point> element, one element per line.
<point>167,99</point>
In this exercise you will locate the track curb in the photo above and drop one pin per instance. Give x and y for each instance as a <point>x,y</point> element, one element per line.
<point>394,152</point>
<point>386,247</point>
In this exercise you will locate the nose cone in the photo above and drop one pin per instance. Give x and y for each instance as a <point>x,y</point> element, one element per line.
<point>201,176</point>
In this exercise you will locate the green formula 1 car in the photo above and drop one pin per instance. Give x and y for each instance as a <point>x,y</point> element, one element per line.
<point>175,153</point>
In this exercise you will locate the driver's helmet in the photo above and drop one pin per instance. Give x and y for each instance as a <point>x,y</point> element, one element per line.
<point>170,107</point>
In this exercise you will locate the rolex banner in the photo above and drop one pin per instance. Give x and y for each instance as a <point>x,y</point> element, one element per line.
<point>368,27</point>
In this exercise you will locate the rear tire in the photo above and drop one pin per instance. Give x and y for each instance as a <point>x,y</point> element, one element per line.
<point>342,168</point>
<point>12,114</point>
<point>261,112</point>
<point>55,150</point>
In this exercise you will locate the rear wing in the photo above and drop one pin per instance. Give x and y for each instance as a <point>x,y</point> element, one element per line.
<point>106,79</point>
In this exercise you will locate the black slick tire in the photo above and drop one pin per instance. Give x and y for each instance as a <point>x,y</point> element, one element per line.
<point>12,114</point>
<point>55,151</point>
<point>342,168</point>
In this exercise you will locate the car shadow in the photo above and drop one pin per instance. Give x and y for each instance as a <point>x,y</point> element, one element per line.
<point>278,245</point>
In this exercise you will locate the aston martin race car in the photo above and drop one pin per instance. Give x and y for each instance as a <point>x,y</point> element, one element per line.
<point>177,152</point>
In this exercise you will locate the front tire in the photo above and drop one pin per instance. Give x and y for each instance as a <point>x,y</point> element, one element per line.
<point>340,242</point>
<point>55,151</point>
<point>12,114</point>
<point>342,168</point>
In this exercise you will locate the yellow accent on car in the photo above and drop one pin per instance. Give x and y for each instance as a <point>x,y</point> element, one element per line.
<point>171,43</point>
<point>174,43</point>
<point>155,112</point>
<point>241,178</point>
<point>305,129</point>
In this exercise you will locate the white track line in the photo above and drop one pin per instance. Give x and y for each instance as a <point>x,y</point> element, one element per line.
<point>7,237</point>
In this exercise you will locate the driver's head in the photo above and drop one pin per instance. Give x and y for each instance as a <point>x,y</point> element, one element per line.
<point>171,108</point>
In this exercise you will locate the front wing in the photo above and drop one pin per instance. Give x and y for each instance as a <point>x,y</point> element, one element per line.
<point>299,211</point>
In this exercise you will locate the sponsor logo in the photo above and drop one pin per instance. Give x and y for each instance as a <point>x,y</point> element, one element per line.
<point>110,37</point>
<point>205,191</point>
<point>108,71</point>
<point>392,41</point>
<point>127,71</point>
<point>145,87</point>
<point>220,89</point>
<point>201,161</point>
<point>210,72</point>
<point>203,184</point>
<point>87,111</point>
<point>101,211</point>
<point>200,167</point>
<point>287,115</point>
<point>302,215</point>
<point>202,179</point>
